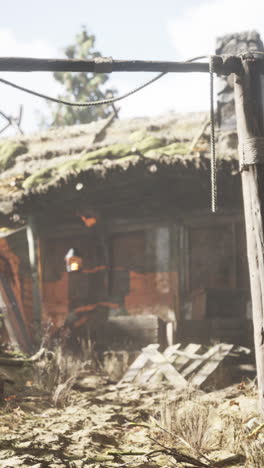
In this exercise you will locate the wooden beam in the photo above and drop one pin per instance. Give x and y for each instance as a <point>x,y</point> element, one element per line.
<point>250,126</point>
<point>34,260</point>
<point>222,65</point>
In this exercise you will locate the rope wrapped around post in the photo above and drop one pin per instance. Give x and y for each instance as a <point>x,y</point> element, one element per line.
<point>251,151</point>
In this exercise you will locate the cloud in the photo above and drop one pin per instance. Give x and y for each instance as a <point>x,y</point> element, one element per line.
<point>11,99</point>
<point>11,46</point>
<point>194,32</point>
<point>175,91</point>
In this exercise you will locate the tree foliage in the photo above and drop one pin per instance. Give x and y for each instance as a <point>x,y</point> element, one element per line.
<point>81,86</point>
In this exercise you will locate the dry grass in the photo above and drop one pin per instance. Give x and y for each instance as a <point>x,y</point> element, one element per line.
<point>58,370</point>
<point>254,451</point>
<point>186,421</point>
<point>214,427</point>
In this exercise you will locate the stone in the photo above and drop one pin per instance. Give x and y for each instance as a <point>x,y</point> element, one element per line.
<point>233,44</point>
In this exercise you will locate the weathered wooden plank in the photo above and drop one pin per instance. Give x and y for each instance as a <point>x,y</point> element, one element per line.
<point>170,351</point>
<point>208,368</point>
<point>171,374</point>
<point>169,354</point>
<point>138,364</point>
<point>249,113</point>
<point>147,374</point>
<point>189,353</point>
<point>188,371</point>
<point>107,65</point>
<point>173,357</point>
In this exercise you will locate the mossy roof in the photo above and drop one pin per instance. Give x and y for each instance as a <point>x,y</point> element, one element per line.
<point>35,164</point>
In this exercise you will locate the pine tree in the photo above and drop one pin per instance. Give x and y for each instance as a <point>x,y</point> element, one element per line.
<point>81,86</point>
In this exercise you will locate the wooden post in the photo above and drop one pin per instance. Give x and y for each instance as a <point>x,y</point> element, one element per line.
<point>251,152</point>
<point>34,260</point>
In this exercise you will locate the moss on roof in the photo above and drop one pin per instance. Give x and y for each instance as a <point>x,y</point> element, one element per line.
<point>111,151</point>
<point>9,150</point>
<point>36,164</point>
<point>180,148</point>
<point>148,143</point>
<point>120,152</point>
<point>38,178</point>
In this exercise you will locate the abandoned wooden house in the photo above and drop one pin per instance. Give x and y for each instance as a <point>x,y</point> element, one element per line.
<point>132,197</point>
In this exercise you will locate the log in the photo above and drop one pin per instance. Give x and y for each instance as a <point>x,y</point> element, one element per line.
<point>225,65</point>
<point>4,361</point>
<point>250,128</point>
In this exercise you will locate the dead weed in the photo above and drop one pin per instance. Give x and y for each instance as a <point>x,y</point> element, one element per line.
<point>58,370</point>
<point>207,426</point>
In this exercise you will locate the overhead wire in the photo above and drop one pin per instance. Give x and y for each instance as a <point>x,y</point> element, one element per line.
<point>92,103</point>
<point>213,170</point>
<point>135,90</point>
<point>83,104</point>
<point>212,139</point>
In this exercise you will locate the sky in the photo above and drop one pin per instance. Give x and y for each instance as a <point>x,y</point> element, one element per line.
<point>124,29</point>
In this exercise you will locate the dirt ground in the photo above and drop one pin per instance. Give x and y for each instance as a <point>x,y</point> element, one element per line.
<point>101,425</point>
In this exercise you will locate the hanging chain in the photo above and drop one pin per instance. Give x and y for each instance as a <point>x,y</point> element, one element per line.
<point>212,139</point>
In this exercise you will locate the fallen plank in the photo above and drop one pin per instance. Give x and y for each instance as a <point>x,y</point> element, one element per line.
<point>193,356</point>
<point>183,358</point>
<point>171,351</point>
<point>147,374</point>
<point>138,364</point>
<point>177,361</point>
<point>199,360</point>
<point>169,355</point>
<point>171,374</point>
<point>208,368</point>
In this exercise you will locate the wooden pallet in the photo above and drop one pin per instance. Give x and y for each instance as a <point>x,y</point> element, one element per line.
<point>179,365</point>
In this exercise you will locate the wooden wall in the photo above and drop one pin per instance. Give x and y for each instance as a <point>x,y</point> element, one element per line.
<point>16,289</point>
<point>141,278</point>
<point>63,292</point>
<point>162,268</point>
<point>127,268</point>
<point>215,261</point>
<point>147,267</point>
<point>176,269</point>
